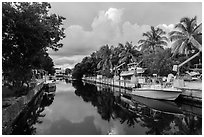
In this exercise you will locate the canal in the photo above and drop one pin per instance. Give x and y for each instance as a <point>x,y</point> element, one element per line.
<point>78,108</point>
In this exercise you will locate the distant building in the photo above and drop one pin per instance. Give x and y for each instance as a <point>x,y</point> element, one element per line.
<point>59,71</point>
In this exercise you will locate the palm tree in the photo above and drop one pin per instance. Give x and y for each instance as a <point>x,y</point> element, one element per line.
<point>186,36</point>
<point>154,38</point>
<point>105,53</point>
<point>128,53</point>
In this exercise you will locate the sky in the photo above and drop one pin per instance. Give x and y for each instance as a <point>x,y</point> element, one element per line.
<point>89,25</point>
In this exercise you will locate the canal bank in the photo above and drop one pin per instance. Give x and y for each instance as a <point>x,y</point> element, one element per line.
<point>19,104</point>
<point>193,95</point>
<point>75,104</point>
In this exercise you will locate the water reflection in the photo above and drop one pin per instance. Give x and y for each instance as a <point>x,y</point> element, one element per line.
<point>24,124</point>
<point>86,109</point>
<point>172,121</point>
<point>67,127</point>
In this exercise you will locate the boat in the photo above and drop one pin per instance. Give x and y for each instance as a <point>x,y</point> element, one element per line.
<point>50,86</point>
<point>157,93</point>
<point>158,90</point>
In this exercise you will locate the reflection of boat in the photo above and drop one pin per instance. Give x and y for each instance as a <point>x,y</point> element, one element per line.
<point>164,106</point>
<point>155,92</point>
<point>195,110</point>
<point>50,86</point>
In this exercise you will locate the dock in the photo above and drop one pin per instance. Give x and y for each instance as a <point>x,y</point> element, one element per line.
<point>188,93</point>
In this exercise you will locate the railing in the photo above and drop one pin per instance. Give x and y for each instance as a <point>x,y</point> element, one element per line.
<point>111,81</point>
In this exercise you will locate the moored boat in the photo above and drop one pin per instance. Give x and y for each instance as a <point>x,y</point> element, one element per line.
<point>157,93</point>
<point>158,90</point>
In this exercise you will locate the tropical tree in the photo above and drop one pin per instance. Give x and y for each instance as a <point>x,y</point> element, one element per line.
<point>186,36</point>
<point>27,31</point>
<point>128,53</point>
<point>154,38</point>
<point>68,71</point>
<point>105,64</point>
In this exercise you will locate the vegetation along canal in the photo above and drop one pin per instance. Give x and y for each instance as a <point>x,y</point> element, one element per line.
<point>82,108</point>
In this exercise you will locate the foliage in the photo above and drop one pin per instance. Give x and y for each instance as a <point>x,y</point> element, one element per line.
<point>27,31</point>
<point>154,38</point>
<point>153,55</point>
<point>68,71</point>
<point>42,60</point>
<point>88,66</point>
<point>105,64</point>
<point>187,28</point>
<point>128,53</point>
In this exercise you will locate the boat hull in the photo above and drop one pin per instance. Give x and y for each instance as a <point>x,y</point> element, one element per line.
<point>161,94</point>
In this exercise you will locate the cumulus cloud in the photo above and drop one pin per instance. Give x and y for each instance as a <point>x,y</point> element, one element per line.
<point>107,28</point>
<point>66,62</point>
<point>166,28</point>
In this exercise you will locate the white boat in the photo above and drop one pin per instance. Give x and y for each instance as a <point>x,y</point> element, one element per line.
<point>157,92</point>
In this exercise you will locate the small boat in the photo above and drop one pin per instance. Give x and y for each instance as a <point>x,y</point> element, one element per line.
<point>50,86</point>
<point>157,92</point>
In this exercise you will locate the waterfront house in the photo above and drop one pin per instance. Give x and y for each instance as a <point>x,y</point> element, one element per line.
<point>133,72</point>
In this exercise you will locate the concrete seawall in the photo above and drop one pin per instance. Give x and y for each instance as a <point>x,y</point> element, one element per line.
<point>10,113</point>
<point>189,94</point>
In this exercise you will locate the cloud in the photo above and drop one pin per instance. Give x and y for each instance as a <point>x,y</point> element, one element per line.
<point>107,28</point>
<point>66,62</point>
<point>133,32</point>
<point>80,42</point>
<point>166,28</point>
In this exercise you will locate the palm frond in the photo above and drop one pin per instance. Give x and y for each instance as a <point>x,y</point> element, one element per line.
<point>120,45</point>
<point>141,41</point>
<point>176,47</point>
<point>185,19</point>
<point>147,34</point>
<point>176,37</point>
<point>153,29</point>
<point>160,31</point>
<point>198,29</point>
<point>175,51</point>
<point>175,33</point>
<point>193,24</point>
<point>164,38</point>
<point>164,43</point>
<point>181,27</point>
<point>182,47</point>
<point>195,43</point>
<point>145,46</point>
<point>99,65</point>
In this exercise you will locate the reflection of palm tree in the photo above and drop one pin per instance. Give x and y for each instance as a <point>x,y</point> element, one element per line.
<point>183,37</point>
<point>154,38</point>
<point>157,122</point>
<point>106,102</point>
<point>110,107</point>
<point>124,114</point>
<point>189,125</point>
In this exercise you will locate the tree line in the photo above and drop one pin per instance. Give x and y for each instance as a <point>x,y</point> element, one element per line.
<point>28,30</point>
<point>151,52</point>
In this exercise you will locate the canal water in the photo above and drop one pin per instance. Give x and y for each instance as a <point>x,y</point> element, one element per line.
<point>78,108</point>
